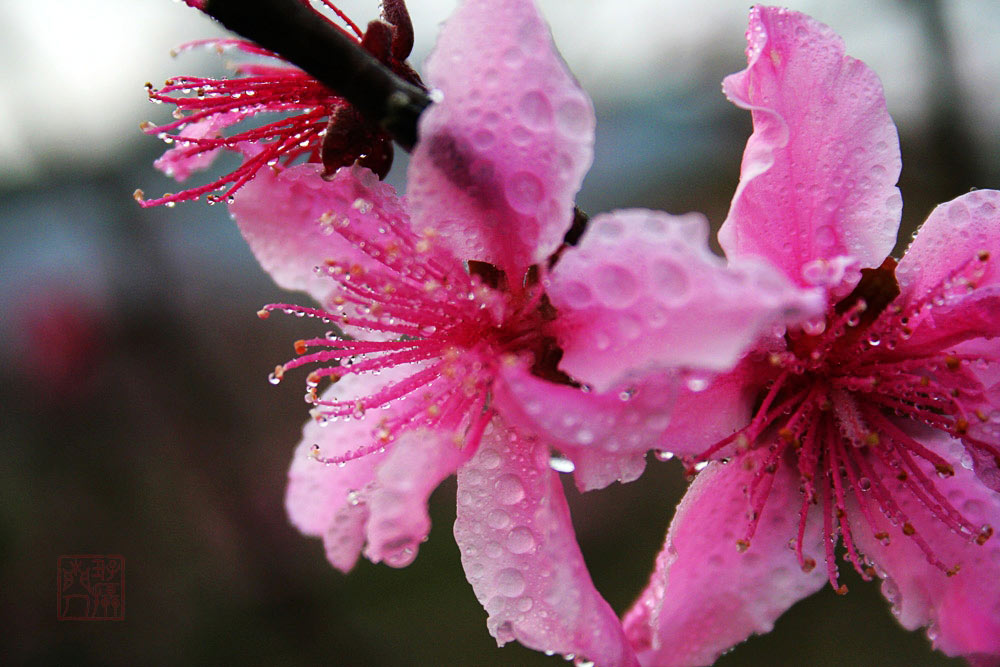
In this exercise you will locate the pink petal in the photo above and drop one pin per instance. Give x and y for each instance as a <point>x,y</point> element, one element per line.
<point>345,536</point>
<point>962,612</point>
<point>289,219</point>
<point>953,236</point>
<point>960,318</point>
<point>320,498</point>
<point>177,163</point>
<point>419,461</point>
<point>701,418</point>
<point>604,436</point>
<point>520,553</point>
<point>317,491</point>
<point>985,429</point>
<point>819,170</point>
<point>642,292</point>
<point>502,156</point>
<point>705,596</point>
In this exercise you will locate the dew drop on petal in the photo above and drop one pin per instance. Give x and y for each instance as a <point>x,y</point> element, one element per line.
<point>561,464</point>
<point>520,540</point>
<point>510,582</point>
<point>509,489</point>
<point>525,192</point>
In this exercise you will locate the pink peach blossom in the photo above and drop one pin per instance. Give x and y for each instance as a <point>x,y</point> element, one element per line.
<point>877,425</point>
<point>460,333</point>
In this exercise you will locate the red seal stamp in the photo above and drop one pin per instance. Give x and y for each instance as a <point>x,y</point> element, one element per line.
<point>90,588</point>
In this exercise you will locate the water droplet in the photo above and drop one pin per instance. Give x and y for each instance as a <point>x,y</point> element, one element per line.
<point>520,540</point>
<point>561,464</point>
<point>670,281</point>
<point>498,519</point>
<point>615,286</point>
<point>509,489</point>
<point>535,109</point>
<point>525,192</point>
<point>483,139</point>
<point>510,582</point>
<point>697,384</point>
<point>825,237</point>
<point>815,326</point>
<point>489,459</point>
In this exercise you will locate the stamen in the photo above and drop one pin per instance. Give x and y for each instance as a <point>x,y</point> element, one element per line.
<point>829,541</point>
<point>841,508</point>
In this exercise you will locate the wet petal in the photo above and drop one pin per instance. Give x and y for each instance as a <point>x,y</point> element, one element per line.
<point>320,497</point>
<point>954,235</point>
<point>420,460</point>
<point>502,156</point>
<point>605,435</point>
<point>520,553</point>
<point>705,596</point>
<point>642,292</point>
<point>703,417</point>
<point>344,537</point>
<point>290,220</point>
<point>984,404</point>
<point>318,492</point>
<point>958,318</point>
<point>819,172</point>
<point>961,612</point>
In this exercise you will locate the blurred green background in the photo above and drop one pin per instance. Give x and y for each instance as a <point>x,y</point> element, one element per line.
<point>136,415</point>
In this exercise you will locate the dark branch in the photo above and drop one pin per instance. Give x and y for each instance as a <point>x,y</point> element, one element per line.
<point>304,39</point>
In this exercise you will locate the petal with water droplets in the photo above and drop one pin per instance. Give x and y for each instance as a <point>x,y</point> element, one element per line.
<point>642,292</point>
<point>290,220</point>
<point>961,612</point>
<point>521,557</point>
<point>501,156</point>
<point>819,172</point>
<point>420,460</point>
<point>705,596</point>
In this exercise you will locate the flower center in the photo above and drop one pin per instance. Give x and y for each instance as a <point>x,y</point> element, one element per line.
<point>836,409</point>
<point>420,309</point>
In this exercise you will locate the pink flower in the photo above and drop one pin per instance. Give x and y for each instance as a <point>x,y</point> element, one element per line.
<point>456,341</point>
<point>878,425</point>
<point>318,125</point>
